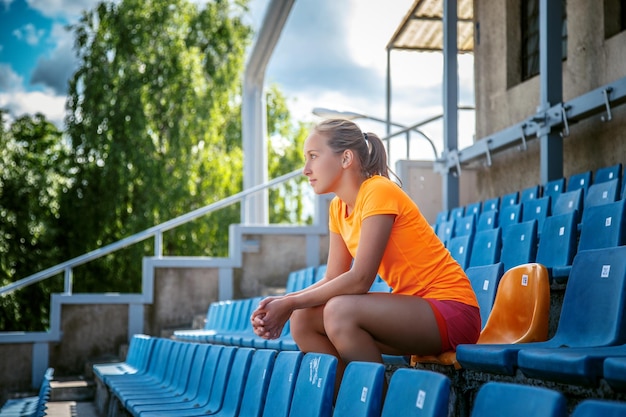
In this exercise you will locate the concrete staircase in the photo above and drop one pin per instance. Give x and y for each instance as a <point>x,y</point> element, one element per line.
<point>71,397</point>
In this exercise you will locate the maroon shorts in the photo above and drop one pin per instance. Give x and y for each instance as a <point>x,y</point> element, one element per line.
<point>458,323</point>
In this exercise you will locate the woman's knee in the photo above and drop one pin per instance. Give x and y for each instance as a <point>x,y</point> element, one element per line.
<point>339,312</point>
<point>303,321</point>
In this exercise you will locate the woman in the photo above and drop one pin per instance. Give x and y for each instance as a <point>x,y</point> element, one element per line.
<point>375,228</point>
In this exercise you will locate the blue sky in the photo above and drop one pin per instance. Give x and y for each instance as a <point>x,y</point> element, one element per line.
<point>330,54</point>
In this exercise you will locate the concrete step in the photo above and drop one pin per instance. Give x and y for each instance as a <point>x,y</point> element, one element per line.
<point>76,389</point>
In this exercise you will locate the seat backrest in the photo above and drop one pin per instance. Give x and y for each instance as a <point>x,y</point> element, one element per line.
<point>581,180</point>
<point>593,307</point>
<point>361,390</point>
<point>608,173</point>
<point>487,220</point>
<point>510,199</point>
<point>496,399</point>
<point>595,408</point>
<point>465,225</point>
<point>282,384</point>
<point>603,226</point>
<point>485,280</point>
<point>519,244</point>
<point>456,213</point>
<point>460,248</point>
<point>569,201</point>
<point>445,231</point>
<point>553,188</point>
<point>491,204</point>
<point>236,382</point>
<point>315,386</point>
<point>442,216</point>
<point>521,307</point>
<point>602,193</point>
<point>510,215</point>
<point>538,209</point>
<point>257,382</point>
<point>320,272</point>
<point>487,247</point>
<point>530,193</point>
<point>557,245</point>
<point>417,393</point>
<point>474,208</point>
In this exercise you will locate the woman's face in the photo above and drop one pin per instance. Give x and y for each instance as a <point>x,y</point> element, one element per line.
<point>322,166</point>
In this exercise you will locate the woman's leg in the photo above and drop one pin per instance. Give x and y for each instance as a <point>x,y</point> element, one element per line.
<point>363,327</point>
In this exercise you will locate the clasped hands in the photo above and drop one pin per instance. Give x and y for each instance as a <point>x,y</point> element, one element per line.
<point>270,317</point>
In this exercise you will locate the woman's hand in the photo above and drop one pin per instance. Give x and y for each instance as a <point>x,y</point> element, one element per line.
<point>270,317</point>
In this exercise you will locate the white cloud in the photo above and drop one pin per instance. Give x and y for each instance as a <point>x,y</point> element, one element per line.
<point>29,34</point>
<point>61,8</point>
<point>9,79</point>
<point>21,102</point>
<point>55,70</point>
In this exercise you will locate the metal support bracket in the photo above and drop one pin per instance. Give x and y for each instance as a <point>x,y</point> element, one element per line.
<point>524,145</point>
<point>607,104</point>
<point>565,132</point>
<point>487,152</point>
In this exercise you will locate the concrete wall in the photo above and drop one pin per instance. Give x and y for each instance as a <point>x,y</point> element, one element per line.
<point>502,99</point>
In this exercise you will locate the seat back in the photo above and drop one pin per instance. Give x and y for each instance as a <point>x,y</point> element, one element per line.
<point>519,244</point>
<point>361,390</point>
<point>465,225</point>
<point>510,215</point>
<point>554,188</point>
<point>315,386</point>
<point>456,213</point>
<point>487,247</point>
<point>537,209</point>
<point>603,226</point>
<point>442,216</point>
<point>521,307</point>
<point>474,208</point>
<point>568,202</point>
<point>487,220</point>
<point>320,272</point>
<point>282,384</point>
<point>257,382</point>
<point>530,193</point>
<point>491,204</point>
<point>460,248</point>
<point>445,231</point>
<point>557,245</point>
<point>510,199</point>
<point>496,399</point>
<point>581,180</point>
<point>595,408</point>
<point>602,193</point>
<point>485,280</point>
<point>608,173</point>
<point>592,312</point>
<point>417,393</point>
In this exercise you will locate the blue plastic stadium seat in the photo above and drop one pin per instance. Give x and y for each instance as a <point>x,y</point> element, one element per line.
<point>558,245</point>
<point>256,385</point>
<point>491,204</point>
<point>519,244</point>
<point>537,209</point>
<point>598,278</point>
<point>474,208</point>
<point>608,173</point>
<point>465,225</point>
<point>614,372</point>
<point>574,366</point>
<point>361,390</point>
<point>417,393</point>
<point>602,193</point>
<point>496,399</point>
<point>442,216</point>
<point>603,226</point>
<point>315,386</point>
<point>596,408</point>
<point>487,247</point>
<point>487,220</point>
<point>568,202</point>
<point>581,180</point>
<point>445,231</point>
<point>530,193</point>
<point>460,248</point>
<point>485,280</point>
<point>510,199</point>
<point>33,406</point>
<point>282,384</point>
<point>510,215</point>
<point>553,189</point>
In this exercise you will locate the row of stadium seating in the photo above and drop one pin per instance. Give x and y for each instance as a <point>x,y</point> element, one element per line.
<point>163,377</point>
<point>34,406</point>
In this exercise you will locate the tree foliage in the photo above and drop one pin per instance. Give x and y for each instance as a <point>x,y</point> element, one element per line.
<point>33,174</point>
<point>152,112</point>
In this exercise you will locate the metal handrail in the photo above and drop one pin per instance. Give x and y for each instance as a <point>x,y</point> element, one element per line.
<point>155,231</point>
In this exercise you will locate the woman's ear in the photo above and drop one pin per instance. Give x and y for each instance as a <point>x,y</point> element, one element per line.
<point>346,160</point>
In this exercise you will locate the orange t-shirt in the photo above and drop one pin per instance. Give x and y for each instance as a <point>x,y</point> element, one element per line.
<point>415,261</point>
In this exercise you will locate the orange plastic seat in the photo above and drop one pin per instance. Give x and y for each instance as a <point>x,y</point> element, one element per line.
<point>520,312</point>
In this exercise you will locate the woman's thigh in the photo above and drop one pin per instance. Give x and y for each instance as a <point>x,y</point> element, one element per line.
<point>398,324</point>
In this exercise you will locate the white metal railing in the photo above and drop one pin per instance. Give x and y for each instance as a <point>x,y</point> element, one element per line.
<point>155,231</point>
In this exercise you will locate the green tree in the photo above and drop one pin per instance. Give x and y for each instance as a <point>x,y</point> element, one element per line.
<point>153,117</point>
<point>34,171</point>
